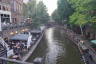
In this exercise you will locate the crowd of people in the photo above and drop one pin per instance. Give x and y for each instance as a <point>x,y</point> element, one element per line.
<point>18,47</point>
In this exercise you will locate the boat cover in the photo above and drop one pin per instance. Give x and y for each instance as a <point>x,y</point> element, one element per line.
<point>93,41</point>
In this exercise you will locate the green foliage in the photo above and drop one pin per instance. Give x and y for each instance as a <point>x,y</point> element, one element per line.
<point>24,11</point>
<point>62,12</point>
<point>38,12</point>
<point>78,19</point>
<point>55,16</point>
<point>84,11</point>
<point>41,14</point>
<point>31,9</point>
<point>64,9</point>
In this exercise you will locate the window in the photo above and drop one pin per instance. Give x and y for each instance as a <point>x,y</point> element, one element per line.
<point>3,8</point>
<point>14,5</point>
<point>0,7</point>
<point>7,8</point>
<point>0,0</point>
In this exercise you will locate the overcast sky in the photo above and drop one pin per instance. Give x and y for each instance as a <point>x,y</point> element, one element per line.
<point>51,5</point>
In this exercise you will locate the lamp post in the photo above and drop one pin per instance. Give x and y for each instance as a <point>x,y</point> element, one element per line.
<point>81,30</point>
<point>0,25</point>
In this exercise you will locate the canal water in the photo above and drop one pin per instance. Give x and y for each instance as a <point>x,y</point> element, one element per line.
<point>56,49</point>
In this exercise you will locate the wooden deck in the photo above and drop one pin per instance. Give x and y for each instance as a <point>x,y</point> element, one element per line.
<point>25,58</point>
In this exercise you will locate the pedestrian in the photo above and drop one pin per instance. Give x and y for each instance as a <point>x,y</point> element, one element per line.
<point>90,56</point>
<point>13,44</point>
<point>14,49</point>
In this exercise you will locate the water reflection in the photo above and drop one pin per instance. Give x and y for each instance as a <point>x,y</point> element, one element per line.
<point>54,49</point>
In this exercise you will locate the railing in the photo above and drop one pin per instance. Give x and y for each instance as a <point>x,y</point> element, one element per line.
<point>86,43</point>
<point>8,27</point>
<point>12,26</point>
<point>11,61</point>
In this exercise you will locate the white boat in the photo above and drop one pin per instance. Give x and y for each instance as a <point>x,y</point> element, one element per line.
<point>38,60</point>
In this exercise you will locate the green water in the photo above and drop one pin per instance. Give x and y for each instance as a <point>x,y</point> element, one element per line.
<point>56,49</point>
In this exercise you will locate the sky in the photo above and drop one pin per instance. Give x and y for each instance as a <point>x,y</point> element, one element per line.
<point>51,5</point>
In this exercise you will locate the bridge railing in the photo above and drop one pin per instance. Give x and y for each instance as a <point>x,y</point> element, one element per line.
<point>12,61</point>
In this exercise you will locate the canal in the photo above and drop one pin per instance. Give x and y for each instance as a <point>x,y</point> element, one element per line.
<point>56,49</point>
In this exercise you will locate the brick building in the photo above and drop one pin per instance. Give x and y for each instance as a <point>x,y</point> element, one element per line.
<point>5,11</point>
<point>5,17</point>
<point>16,10</point>
<point>11,11</point>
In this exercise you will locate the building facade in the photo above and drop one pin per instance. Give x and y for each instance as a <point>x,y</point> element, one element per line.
<point>11,11</point>
<point>11,14</point>
<point>16,10</point>
<point>5,12</point>
<point>5,18</point>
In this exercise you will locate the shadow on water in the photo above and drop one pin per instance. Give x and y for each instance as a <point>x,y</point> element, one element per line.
<point>57,49</point>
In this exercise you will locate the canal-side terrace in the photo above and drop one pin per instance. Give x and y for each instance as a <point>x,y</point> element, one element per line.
<point>9,30</point>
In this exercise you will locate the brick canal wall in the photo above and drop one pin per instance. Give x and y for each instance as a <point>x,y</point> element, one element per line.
<point>28,55</point>
<point>76,39</point>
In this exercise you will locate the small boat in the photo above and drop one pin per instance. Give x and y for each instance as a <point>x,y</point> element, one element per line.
<point>38,60</point>
<point>93,44</point>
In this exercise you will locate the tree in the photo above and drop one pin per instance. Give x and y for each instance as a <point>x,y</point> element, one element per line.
<point>31,9</point>
<point>37,12</point>
<point>55,16</point>
<point>64,9</point>
<point>25,13</point>
<point>84,11</point>
<point>42,16</point>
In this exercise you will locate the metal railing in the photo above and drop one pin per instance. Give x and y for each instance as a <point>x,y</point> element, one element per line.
<point>12,61</point>
<point>86,42</point>
<point>8,27</point>
<point>12,26</point>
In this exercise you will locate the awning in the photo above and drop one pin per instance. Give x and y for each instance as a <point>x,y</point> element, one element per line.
<point>35,31</point>
<point>20,37</point>
<point>93,41</point>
